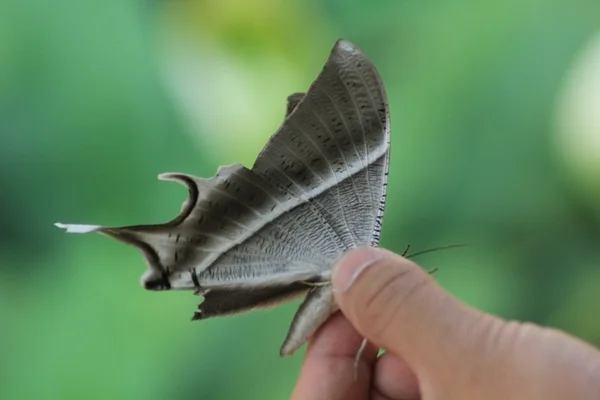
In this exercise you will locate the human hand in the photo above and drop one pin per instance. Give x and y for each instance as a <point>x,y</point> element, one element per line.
<point>436,347</point>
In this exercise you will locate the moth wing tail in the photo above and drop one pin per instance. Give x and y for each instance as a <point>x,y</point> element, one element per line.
<point>313,312</point>
<point>79,228</point>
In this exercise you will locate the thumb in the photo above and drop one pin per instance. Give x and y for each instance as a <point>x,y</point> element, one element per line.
<point>400,307</point>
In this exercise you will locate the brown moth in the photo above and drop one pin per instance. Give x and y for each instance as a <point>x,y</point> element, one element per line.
<point>251,238</point>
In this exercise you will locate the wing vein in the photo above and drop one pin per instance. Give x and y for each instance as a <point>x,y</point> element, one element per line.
<point>383,129</point>
<point>308,200</point>
<point>362,126</point>
<point>337,183</point>
<point>342,153</point>
<point>312,208</point>
<point>257,231</point>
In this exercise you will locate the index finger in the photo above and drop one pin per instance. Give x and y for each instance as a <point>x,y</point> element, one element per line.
<point>328,371</point>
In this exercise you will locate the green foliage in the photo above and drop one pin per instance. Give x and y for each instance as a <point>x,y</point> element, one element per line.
<point>97,98</point>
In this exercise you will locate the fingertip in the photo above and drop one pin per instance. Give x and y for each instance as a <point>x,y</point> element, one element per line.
<point>398,306</point>
<point>338,338</point>
<point>349,268</point>
<point>393,378</point>
<point>371,286</point>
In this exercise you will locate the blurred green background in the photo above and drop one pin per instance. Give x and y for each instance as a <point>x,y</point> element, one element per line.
<point>495,141</point>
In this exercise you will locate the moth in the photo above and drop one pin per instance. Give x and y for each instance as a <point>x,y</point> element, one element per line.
<point>247,239</point>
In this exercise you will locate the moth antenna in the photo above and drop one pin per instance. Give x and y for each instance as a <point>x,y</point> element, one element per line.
<point>406,250</point>
<point>450,246</point>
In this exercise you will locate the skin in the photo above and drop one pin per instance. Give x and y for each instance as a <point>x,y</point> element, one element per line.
<point>436,346</point>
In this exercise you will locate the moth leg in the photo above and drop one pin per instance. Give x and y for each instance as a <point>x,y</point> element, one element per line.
<point>198,290</point>
<point>195,279</point>
<point>313,312</point>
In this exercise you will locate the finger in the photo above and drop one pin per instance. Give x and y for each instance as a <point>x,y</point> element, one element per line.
<point>328,371</point>
<point>375,395</point>
<point>393,379</point>
<point>453,349</point>
<point>399,307</point>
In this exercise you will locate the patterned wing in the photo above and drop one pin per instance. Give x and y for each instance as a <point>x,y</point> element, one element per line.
<point>246,238</point>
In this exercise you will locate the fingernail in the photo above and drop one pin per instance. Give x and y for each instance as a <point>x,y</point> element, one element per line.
<point>351,266</point>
